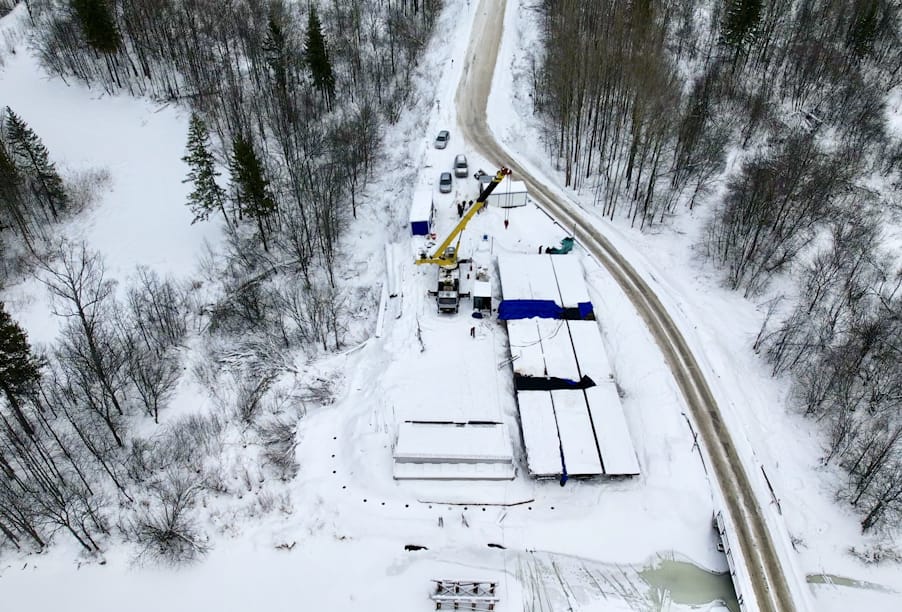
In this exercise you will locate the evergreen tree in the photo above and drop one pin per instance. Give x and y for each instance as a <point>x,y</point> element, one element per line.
<point>864,27</point>
<point>31,158</point>
<point>19,368</point>
<point>740,23</point>
<point>276,48</point>
<point>97,24</point>
<point>207,194</point>
<point>317,56</point>
<point>11,212</point>
<point>250,184</point>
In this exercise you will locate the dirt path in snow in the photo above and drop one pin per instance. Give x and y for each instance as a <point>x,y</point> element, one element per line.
<point>757,547</point>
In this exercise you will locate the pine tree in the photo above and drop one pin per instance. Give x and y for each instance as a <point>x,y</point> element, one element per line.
<point>250,184</point>
<point>31,158</point>
<point>275,46</point>
<point>11,205</point>
<point>740,23</point>
<point>97,24</point>
<point>19,368</point>
<point>864,27</point>
<point>207,194</point>
<point>317,57</point>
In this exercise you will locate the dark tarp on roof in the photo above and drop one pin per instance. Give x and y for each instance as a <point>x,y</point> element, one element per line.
<point>550,383</point>
<point>583,312</point>
<point>527,309</point>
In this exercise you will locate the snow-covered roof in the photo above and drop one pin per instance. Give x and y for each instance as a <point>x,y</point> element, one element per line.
<point>527,277</point>
<point>482,288</point>
<point>618,455</point>
<point>589,348</point>
<point>421,208</point>
<point>570,280</point>
<point>575,431</point>
<point>557,349</point>
<point>540,438</point>
<point>509,186</point>
<point>451,442</point>
<point>526,347</point>
<point>542,347</point>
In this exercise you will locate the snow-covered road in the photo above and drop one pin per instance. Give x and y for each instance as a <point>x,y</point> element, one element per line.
<point>753,542</point>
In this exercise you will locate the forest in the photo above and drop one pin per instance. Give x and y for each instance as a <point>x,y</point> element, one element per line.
<point>262,80</point>
<point>772,115</point>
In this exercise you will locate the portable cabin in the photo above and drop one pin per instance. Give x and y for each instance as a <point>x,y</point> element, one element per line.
<point>422,212</point>
<point>482,290</point>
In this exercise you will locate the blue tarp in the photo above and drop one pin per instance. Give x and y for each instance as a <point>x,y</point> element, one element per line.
<point>527,309</point>
<point>585,310</point>
<point>419,228</point>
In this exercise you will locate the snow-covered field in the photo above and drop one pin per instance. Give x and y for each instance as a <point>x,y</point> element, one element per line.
<point>582,547</point>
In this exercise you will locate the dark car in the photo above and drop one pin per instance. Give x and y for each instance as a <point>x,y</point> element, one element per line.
<point>441,141</point>
<point>444,182</point>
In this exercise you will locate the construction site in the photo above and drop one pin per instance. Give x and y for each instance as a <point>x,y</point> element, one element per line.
<point>570,421</point>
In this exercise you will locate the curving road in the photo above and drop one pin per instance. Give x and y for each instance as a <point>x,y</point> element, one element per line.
<point>751,534</point>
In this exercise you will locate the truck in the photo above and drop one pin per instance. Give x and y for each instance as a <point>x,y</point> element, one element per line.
<point>448,290</point>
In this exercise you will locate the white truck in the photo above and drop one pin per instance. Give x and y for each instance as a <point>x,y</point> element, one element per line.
<point>448,290</point>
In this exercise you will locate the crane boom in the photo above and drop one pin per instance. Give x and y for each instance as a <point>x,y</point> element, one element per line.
<point>448,258</point>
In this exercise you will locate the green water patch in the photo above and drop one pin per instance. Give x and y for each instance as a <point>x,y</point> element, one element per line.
<point>688,584</point>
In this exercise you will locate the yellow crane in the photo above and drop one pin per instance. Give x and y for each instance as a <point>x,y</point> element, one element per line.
<point>446,255</point>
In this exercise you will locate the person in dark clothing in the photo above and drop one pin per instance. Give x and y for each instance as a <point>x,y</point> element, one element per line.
<point>460,210</point>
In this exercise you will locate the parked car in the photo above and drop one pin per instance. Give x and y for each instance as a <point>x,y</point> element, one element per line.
<point>441,141</point>
<point>444,182</point>
<point>460,166</point>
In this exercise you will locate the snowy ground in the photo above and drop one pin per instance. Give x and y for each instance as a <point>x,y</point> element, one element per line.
<point>581,547</point>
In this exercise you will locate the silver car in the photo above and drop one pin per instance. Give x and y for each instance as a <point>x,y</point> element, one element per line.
<point>460,166</point>
<point>444,182</point>
<point>441,141</point>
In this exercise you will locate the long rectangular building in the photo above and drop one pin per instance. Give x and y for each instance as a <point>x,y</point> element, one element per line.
<point>564,381</point>
<point>460,451</point>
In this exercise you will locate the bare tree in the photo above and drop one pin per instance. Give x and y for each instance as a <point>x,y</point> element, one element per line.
<point>84,297</point>
<point>166,529</point>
